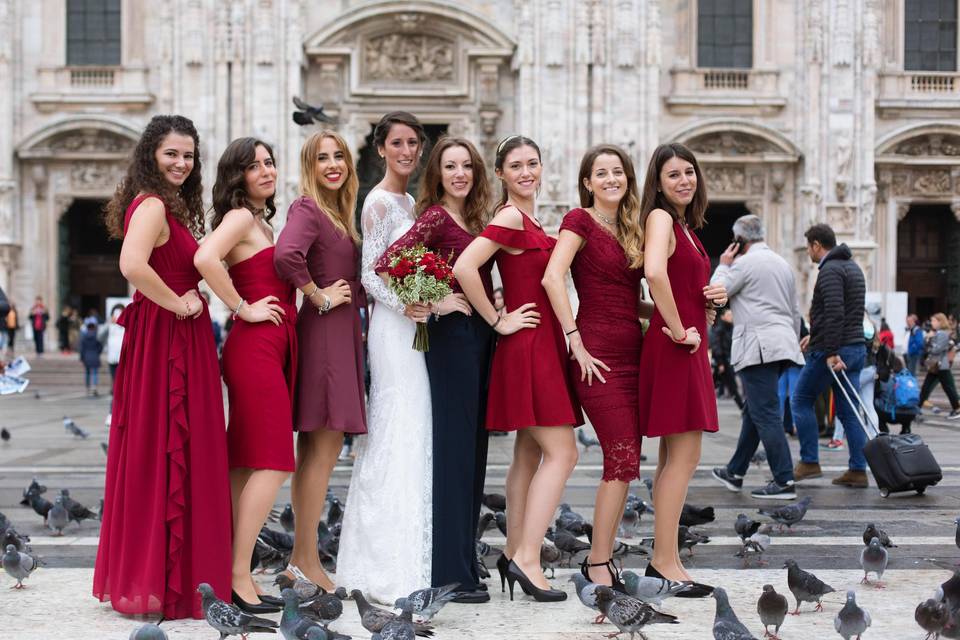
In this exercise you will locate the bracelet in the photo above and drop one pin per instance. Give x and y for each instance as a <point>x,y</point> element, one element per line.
<point>236,312</point>
<point>574,330</point>
<point>681,339</point>
<point>327,304</point>
<point>494,325</point>
<point>316,288</point>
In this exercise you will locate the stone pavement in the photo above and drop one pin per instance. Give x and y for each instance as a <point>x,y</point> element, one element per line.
<point>57,602</point>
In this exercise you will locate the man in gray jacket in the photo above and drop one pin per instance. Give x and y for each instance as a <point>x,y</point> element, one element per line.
<point>766,337</point>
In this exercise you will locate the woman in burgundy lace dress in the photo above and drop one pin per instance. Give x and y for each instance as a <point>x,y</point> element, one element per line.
<point>601,242</point>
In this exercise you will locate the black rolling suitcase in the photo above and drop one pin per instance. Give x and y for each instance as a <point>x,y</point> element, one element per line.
<point>898,463</point>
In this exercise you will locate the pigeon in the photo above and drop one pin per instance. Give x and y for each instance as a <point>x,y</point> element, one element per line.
<point>304,589</point>
<point>587,593</point>
<point>759,458</point>
<point>629,523</point>
<point>805,586</point>
<point>58,517</point>
<point>852,620</point>
<point>567,543</point>
<point>267,556</point>
<point>687,538</point>
<point>772,607</point>
<point>326,607</point>
<point>872,531</point>
<point>400,628</point>
<point>639,505</point>
<point>485,522</point>
<point>35,489</point>
<point>279,540</point>
<point>19,541</point>
<point>586,441</point>
<point>4,434</point>
<point>500,518</point>
<point>105,448</point>
<point>650,589</point>
<point>726,624</point>
<point>74,428</point>
<point>788,515</point>
<point>571,520</point>
<point>692,516</point>
<point>334,511</point>
<point>932,616</point>
<point>228,619</point>
<point>756,544</point>
<point>628,614</point>
<point>956,538</point>
<point>77,511</point>
<point>427,602</point>
<point>307,115</point>
<point>745,527</point>
<point>328,543</point>
<point>148,632</point>
<point>286,518</point>
<point>100,511</point>
<point>18,565</point>
<point>374,618</point>
<point>622,549</point>
<point>648,483</point>
<point>873,559</point>
<point>550,556</point>
<point>4,522</point>
<point>41,506</point>
<point>293,626</point>
<point>495,501</point>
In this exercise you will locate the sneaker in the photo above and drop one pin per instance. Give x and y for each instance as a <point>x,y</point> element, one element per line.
<point>727,479</point>
<point>851,478</point>
<point>954,415</point>
<point>775,491</point>
<point>833,445</point>
<point>344,453</point>
<point>807,471</point>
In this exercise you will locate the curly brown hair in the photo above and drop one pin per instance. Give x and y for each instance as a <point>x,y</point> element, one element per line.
<point>431,183</point>
<point>230,189</point>
<point>185,203</point>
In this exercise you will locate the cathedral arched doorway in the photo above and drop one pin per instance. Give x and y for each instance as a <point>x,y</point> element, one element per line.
<point>88,259</point>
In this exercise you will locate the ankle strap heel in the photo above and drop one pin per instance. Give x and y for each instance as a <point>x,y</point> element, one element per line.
<point>612,569</point>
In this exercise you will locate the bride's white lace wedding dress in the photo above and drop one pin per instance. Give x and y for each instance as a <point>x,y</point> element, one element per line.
<point>386,542</point>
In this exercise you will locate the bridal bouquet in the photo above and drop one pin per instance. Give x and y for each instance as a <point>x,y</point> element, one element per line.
<point>417,275</point>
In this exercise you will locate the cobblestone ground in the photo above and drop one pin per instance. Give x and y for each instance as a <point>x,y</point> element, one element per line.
<point>57,602</point>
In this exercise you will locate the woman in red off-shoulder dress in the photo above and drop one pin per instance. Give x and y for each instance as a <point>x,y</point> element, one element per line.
<point>529,389</point>
<point>166,520</point>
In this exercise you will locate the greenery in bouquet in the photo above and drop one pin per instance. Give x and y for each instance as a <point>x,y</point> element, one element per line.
<point>417,275</point>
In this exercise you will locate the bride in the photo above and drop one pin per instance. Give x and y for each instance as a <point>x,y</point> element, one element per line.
<point>386,542</point>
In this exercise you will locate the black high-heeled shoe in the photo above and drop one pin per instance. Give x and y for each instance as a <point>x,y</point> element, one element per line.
<point>274,600</point>
<point>515,574</point>
<point>255,609</point>
<point>691,590</point>
<point>612,569</point>
<point>503,562</point>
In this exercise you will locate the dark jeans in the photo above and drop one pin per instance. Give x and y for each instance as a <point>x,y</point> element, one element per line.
<point>814,380</point>
<point>762,422</point>
<point>945,378</point>
<point>912,360</point>
<point>38,340</point>
<point>92,376</point>
<point>458,364</point>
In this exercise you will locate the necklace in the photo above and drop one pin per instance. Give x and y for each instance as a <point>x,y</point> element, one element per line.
<point>609,221</point>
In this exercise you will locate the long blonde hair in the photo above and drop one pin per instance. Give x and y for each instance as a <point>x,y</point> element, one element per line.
<point>337,205</point>
<point>629,231</point>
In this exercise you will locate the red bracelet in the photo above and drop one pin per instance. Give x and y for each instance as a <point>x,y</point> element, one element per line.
<point>680,341</point>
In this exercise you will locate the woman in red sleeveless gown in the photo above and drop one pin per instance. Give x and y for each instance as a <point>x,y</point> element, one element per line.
<point>601,244</point>
<point>529,389</point>
<point>259,357</point>
<point>166,521</point>
<point>677,401</point>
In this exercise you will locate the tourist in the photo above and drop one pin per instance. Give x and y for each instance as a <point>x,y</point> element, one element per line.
<point>39,317</point>
<point>937,364</point>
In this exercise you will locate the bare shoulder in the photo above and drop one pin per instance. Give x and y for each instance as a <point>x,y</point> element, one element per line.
<point>151,206</point>
<point>509,217</point>
<point>239,216</point>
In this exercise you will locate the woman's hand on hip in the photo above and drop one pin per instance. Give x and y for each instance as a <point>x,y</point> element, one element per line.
<point>523,317</point>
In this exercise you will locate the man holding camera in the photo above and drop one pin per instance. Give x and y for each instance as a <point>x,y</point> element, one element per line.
<point>766,337</point>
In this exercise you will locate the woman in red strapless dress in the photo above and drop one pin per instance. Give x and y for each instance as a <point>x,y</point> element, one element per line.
<point>530,392</point>
<point>601,244</point>
<point>166,520</point>
<point>259,356</point>
<point>677,401</point>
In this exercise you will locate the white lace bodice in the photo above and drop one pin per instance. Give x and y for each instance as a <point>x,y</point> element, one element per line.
<point>385,217</point>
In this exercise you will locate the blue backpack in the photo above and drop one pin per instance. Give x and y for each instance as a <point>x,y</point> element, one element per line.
<point>904,393</point>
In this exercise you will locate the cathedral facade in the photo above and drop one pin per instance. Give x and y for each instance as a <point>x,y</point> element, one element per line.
<point>801,111</point>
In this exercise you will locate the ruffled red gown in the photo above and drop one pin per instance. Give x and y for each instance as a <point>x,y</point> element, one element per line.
<point>259,367</point>
<point>167,516</point>
<point>528,379</point>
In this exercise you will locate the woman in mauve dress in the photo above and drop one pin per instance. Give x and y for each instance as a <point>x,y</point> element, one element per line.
<point>166,512</point>
<point>317,252</point>
<point>260,355</point>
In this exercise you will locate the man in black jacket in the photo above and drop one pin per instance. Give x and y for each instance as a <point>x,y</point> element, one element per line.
<point>835,342</point>
<point>721,343</point>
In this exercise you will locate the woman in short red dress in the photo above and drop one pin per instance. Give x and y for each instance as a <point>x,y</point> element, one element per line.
<point>677,401</point>
<point>529,389</point>
<point>259,357</point>
<point>166,521</point>
<point>601,243</point>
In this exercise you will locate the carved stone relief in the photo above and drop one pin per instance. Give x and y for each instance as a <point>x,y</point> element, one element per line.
<point>868,193</point>
<point>931,145</point>
<point>90,141</point>
<point>95,176</point>
<point>932,181</point>
<point>409,57</point>
<point>725,179</point>
<point>842,218</point>
<point>730,143</point>
<point>843,155</point>
<point>6,209</point>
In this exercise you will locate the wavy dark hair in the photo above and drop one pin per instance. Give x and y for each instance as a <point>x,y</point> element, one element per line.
<point>507,145</point>
<point>230,189</point>
<point>185,203</point>
<point>695,214</point>
<point>629,231</point>
<point>431,184</point>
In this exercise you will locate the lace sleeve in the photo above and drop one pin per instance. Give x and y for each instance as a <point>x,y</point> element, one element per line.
<point>375,220</point>
<point>422,232</point>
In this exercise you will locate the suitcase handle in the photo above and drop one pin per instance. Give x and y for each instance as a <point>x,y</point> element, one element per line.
<point>856,409</point>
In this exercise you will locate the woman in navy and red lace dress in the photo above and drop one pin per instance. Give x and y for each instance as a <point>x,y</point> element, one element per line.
<point>451,211</point>
<point>530,392</point>
<point>602,242</point>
